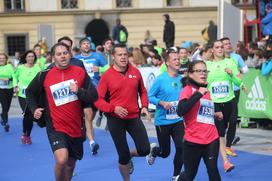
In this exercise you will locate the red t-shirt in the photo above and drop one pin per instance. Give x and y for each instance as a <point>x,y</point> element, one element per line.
<point>121,90</point>
<point>65,108</point>
<point>199,121</point>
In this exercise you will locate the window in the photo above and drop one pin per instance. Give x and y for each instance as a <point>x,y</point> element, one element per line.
<point>14,5</point>
<point>69,4</point>
<point>16,43</point>
<point>241,2</point>
<point>173,2</point>
<point>123,3</point>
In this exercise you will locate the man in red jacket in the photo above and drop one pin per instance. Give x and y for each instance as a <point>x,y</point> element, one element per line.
<point>118,91</point>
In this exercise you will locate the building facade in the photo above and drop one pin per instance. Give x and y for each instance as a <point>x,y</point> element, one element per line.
<point>25,22</point>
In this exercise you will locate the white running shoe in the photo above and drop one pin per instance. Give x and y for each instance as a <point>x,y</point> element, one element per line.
<point>150,159</point>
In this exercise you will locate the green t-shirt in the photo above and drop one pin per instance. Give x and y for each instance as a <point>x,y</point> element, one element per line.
<point>24,76</point>
<point>220,82</point>
<point>7,77</point>
<point>41,62</point>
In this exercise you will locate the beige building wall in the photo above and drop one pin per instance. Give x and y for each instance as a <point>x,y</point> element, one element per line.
<point>63,25</point>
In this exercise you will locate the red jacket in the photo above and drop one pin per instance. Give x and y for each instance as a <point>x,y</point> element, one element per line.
<point>117,89</point>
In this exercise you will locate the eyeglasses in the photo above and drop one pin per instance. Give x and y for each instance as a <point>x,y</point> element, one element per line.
<point>201,71</point>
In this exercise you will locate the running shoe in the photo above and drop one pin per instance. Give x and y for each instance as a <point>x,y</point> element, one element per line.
<point>28,140</point>
<point>230,152</point>
<point>150,158</point>
<point>95,148</point>
<point>175,178</point>
<point>6,127</point>
<point>131,166</point>
<point>228,166</point>
<point>235,140</point>
<point>23,139</point>
<point>98,121</point>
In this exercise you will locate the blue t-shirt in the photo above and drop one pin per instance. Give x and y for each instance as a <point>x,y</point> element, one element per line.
<point>165,88</point>
<point>240,65</point>
<point>93,59</point>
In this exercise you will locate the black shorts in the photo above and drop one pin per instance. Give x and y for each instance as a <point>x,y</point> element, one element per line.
<point>60,140</point>
<point>90,105</point>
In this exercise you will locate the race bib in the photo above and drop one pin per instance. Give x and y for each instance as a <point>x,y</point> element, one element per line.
<point>4,84</point>
<point>220,89</point>
<point>206,112</point>
<point>24,91</point>
<point>62,94</point>
<point>89,69</point>
<point>172,112</point>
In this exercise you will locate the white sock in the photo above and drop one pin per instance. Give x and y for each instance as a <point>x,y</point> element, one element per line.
<point>91,142</point>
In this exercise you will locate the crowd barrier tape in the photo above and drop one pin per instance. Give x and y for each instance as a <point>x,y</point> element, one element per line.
<point>258,102</point>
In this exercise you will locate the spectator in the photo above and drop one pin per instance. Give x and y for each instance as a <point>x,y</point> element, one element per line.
<point>168,32</point>
<point>148,39</point>
<point>119,33</point>
<point>212,32</point>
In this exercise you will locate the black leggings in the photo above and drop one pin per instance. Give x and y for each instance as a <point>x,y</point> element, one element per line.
<point>28,117</point>
<point>229,121</point>
<point>135,127</point>
<point>192,154</point>
<point>164,134</point>
<point>5,100</point>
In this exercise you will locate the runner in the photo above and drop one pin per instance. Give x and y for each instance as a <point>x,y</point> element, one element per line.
<point>25,72</point>
<point>223,73</point>
<point>241,68</point>
<point>62,90</point>
<point>201,136</point>
<point>118,92</point>
<point>7,84</point>
<point>92,61</point>
<point>164,94</point>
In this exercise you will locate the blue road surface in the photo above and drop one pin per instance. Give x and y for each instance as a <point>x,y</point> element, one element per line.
<point>36,162</point>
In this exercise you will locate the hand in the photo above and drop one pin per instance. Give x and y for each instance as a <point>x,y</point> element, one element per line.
<point>218,115</point>
<point>95,69</point>
<point>203,90</point>
<point>38,113</point>
<point>165,105</point>
<point>244,88</point>
<point>16,90</point>
<point>73,87</point>
<point>229,71</point>
<point>120,111</point>
<point>146,113</point>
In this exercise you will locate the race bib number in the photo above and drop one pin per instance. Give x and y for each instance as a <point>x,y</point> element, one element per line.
<point>172,112</point>
<point>4,84</point>
<point>220,89</point>
<point>62,94</point>
<point>89,69</point>
<point>24,91</point>
<point>206,112</point>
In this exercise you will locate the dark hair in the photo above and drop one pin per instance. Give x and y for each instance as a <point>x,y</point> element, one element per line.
<point>169,51</point>
<point>67,39</point>
<point>253,45</point>
<point>192,65</point>
<point>53,49</point>
<point>224,38</point>
<point>5,55</point>
<point>119,45</point>
<point>36,45</point>
<point>205,48</point>
<point>23,59</point>
<point>105,40</point>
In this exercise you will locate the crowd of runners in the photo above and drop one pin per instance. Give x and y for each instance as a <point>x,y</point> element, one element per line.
<point>196,97</point>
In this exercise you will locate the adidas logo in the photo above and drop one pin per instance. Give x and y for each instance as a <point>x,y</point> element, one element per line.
<point>256,99</point>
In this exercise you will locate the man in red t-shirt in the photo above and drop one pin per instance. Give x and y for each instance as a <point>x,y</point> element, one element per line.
<point>118,91</point>
<point>62,90</point>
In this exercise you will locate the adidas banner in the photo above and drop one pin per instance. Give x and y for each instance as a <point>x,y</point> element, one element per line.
<point>258,101</point>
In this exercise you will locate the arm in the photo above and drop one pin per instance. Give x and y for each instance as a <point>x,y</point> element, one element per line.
<point>142,92</point>
<point>266,68</point>
<point>88,93</point>
<point>33,93</point>
<point>186,105</point>
<point>101,103</point>
<point>153,93</point>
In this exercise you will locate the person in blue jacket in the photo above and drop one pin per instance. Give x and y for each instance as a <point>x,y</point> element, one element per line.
<point>164,93</point>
